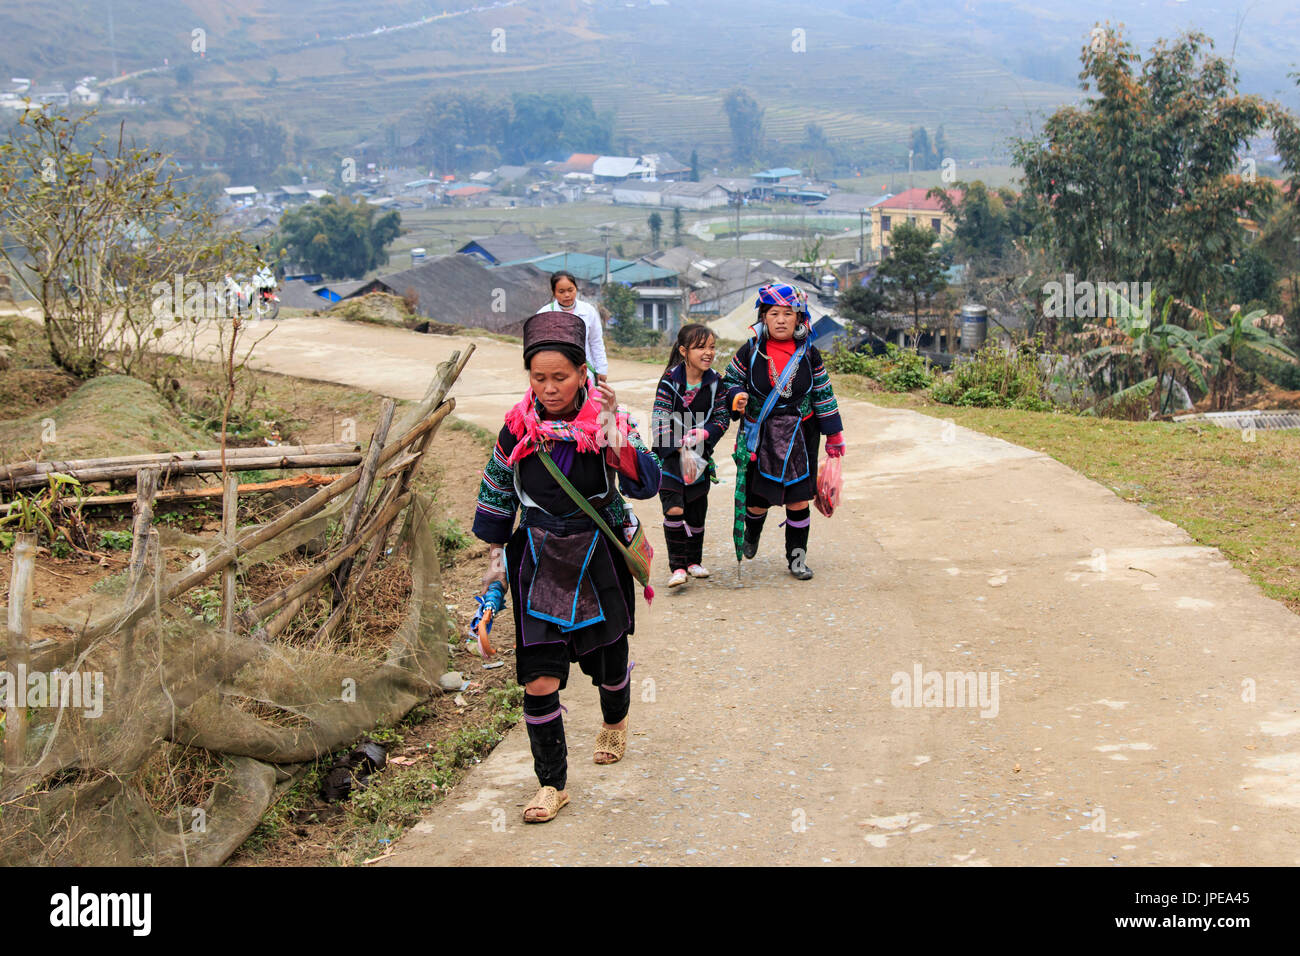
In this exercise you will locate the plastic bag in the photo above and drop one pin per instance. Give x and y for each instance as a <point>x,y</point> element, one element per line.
<point>693,465</point>
<point>830,484</point>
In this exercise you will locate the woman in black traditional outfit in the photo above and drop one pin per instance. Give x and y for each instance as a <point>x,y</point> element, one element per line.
<point>569,585</point>
<point>788,405</point>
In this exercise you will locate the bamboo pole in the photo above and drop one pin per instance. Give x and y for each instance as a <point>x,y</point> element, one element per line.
<point>282,618</point>
<point>363,492</point>
<point>354,582</point>
<point>195,495</point>
<point>402,463</point>
<point>403,480</point>
<point>126,658</point>
<point>21,575</point>
<point>254,537</point>
<point>268,460</point>
<point>229,512</point>
<point>26,469</point>
<point>407,461</point>
<point>146,490</point>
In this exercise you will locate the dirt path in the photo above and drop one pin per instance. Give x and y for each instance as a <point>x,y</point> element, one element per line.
<point>1146,706</point>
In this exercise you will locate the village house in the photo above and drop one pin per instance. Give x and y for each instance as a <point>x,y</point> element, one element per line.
<point>914,206</point>
<point>241,195</point>
<point>469,195</point>
<point>665,166</point>
<point>579,163</point>
<point>636,192</point>
<point>688,195</point>
<point>506,247</point>
<point>610,169</point>
<point>461,290</point>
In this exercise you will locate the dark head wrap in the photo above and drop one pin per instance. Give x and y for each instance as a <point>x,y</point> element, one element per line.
<point>550,329</point>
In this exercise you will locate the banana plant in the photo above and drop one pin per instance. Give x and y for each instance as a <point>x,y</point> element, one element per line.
<point>1138,354</point>
<point>1225,342</point>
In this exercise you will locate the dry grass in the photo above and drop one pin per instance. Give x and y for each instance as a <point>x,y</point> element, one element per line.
<point>176,776</point>
<point>271,714</point>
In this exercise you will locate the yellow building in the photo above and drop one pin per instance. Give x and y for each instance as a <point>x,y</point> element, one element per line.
<point>914,206</point>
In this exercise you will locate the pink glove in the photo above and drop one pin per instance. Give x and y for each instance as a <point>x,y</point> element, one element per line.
<point>835,445</point>
<point>696,436</point>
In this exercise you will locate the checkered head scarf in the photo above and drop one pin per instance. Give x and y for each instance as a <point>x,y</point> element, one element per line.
<point>779,293</point>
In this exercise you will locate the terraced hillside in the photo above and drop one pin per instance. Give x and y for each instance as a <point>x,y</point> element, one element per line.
<point>342,71</point>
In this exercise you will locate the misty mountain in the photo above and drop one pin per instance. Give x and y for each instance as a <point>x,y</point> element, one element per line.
<point>340,71</point>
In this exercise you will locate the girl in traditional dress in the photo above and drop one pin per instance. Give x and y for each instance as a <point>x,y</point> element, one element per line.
<point>690,411</point>
<point>564,288</point>
<point>569,584</point>
<point>789,405</point>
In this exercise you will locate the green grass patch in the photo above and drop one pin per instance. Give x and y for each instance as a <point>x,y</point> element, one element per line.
<point>107,416</point>
<point>480,434</point>
<point>394,801</point>
<point>399,796</point>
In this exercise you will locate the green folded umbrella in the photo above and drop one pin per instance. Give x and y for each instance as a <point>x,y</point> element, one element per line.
<point>741,457</point>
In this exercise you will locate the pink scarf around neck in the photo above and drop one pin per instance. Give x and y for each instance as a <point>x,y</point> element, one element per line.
<point>526,424</point>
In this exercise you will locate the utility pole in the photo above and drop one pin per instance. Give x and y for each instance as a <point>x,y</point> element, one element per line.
<point>910,154</point>
<point>737,225</point>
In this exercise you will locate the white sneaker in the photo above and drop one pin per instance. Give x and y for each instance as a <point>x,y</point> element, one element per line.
<point>698,571</point>
<point>678,578</point>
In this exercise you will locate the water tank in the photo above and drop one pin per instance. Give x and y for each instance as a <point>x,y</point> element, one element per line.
<point>417,256</point>
<point>829,284</point>
<point>974,327</point>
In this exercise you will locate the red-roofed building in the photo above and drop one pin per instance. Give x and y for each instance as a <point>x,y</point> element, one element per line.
<point>914,206</point>
<point>580,163</point>
<point>466,192</point>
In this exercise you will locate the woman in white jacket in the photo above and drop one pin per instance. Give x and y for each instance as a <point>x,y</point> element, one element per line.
<point>564,288</point>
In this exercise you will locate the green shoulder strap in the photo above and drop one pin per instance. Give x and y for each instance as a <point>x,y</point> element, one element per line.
<point>586,506</point>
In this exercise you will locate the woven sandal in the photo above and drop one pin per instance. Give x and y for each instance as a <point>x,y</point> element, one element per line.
<point>548,799</point>
<point>610,741</point>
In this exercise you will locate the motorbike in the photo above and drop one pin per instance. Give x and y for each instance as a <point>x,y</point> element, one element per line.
<point>256,297</point>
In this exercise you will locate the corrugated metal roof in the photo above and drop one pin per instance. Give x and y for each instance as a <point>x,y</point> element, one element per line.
<point>581,264</point>
<point>850,202</point>
<point>618,166</point>
<point>690,189</point>
<point>641,186</point>
<point>638,272</point>
<point>1285,418</point>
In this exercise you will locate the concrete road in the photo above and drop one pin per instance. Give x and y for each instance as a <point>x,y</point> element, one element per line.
<point>998,662</point>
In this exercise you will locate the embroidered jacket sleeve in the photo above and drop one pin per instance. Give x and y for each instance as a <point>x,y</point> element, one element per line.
<point>661,419</point>
<point>735,380</point>
<point>823,398</point>
<point>638,467</point>
<point>719,416</point>
<point>494,516</point>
